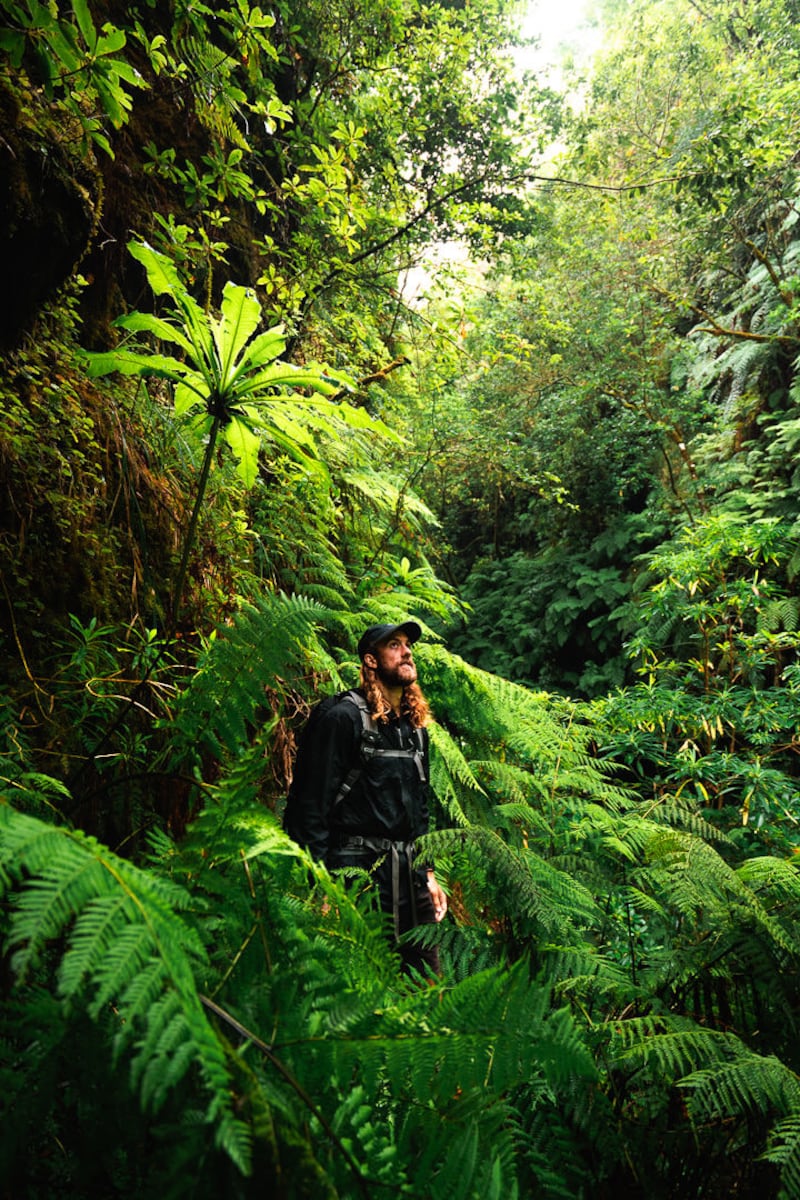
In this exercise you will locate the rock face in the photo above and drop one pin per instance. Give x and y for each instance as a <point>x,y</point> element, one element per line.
<point>49,203</point>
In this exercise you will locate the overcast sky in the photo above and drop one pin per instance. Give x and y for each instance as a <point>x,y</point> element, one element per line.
<point>559,25</point>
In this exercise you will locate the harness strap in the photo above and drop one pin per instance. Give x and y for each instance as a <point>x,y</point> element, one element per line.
<point>369,750</point>
<point>374,845</point>
<point>346,785</point>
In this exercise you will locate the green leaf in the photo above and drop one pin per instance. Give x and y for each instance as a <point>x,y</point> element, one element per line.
<point>113,39</point>
<point>188,397</point>
<point>85,23</point>
<point>161,273</point>
<point>12,43</point>
<point>241,314</point>
<point>128,73</point>
<point>113,99</point>
<point>244,443</point>
<point>62,43</point>
<point>264,348</point>
<point>133,362</point>
<point>138,322</point>
<point>283,375</point>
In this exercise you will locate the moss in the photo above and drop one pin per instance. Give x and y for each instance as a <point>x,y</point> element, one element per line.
<point>50,199</point>
<point>85,522</point>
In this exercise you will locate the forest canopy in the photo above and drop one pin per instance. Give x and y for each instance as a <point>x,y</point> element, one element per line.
<point>321,315</point>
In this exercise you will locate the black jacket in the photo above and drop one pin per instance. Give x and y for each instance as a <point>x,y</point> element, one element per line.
<point>388,800</point>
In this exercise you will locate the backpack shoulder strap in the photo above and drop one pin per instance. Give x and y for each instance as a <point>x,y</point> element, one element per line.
<point>354,697</point>
<point>370,747</point>
<point>367,726</point>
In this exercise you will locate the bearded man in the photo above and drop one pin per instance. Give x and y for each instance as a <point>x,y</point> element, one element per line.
<point>360,792</point>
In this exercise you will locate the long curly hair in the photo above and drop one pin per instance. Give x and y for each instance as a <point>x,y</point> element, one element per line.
<point>414,705</point>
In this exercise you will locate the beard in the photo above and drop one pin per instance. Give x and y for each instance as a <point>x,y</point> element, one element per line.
<point>400,676</point>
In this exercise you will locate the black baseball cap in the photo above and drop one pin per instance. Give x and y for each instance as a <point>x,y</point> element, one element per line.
<point>379,633</point>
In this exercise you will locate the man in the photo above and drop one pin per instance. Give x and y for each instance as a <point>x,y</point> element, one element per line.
<point>360,797</point>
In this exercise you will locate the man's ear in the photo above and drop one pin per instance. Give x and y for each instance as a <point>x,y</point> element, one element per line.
<point>371,661</point>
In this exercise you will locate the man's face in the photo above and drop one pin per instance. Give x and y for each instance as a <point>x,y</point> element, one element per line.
<point>395,662</point>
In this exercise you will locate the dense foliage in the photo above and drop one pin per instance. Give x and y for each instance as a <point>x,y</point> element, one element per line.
<point>233,434</point>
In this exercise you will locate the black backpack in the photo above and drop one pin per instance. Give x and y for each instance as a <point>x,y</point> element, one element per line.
<point>370,746</point>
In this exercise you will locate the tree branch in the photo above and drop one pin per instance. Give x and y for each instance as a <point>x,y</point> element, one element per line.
<point>361,1182</point>
<point>434,204</point>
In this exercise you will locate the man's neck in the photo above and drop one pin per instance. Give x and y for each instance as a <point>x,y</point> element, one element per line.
<point>394,696</point>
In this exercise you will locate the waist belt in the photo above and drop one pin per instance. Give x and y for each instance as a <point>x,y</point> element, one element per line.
<point>375,845</point>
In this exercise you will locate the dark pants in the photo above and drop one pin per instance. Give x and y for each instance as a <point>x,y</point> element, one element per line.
<point>402,893</point>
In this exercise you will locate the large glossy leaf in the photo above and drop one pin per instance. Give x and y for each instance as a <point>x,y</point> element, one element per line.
<point>262,349</point>
<point>241,314</point>
<point>165,280</point>
<point>161,273</point>
<point>85,23</point>
<point>283,375</point>
<point>164,330</point>
<point>132,362</point>
<point>244,443</point>
<point>189,394</point>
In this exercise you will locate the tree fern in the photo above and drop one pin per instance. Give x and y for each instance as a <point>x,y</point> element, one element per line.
<point>64,885</point>
<point>331,1027</point>
<point>538,898</point>
<point>695,870</point>
<point>671,1045</point>
<point>452,777</point>
<point>748,1083</point>
<point>553,1151</point>
<point>271,639</point>
<point>670,810</point>
<point>781,613</point>
<point>784,1149</point>
<point>588,927</point>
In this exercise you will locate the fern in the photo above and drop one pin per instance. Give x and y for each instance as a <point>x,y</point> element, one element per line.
<point>784,1149</point>
<point>782,613</point>
<point>271,639</point>
<point>120,924</point>
<point>210,70</point>
<point>452,777</point>
<point>540,900</point>
<point>750,1083</point>
<point>697,875</point>
<point>671,811</point>
<point>673,1046</point>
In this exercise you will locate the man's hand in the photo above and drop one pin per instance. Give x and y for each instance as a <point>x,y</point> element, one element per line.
<point>437,896</point>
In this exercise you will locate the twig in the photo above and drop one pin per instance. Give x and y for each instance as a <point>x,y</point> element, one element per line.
<point>361,1181</point>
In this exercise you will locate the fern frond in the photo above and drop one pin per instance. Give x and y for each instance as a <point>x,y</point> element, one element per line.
<point>669,811</point>
<point>553,1150</point>
<point>775,878</point>
<point>528,820</point>
<point>507,780</point>
<point>525,886</point>
<point>783,613</point>
<point>533,743</point>
<point>674,1046</point>
<point>209,72</point>
<point>451,774</point>
<point>587,974</point>
<point>784,1148</point>
<point>118,924</point>
<point>750,1083</point>
<point>696,874</point>
<point>527,1036</point>
<point>274,638</point>
<point>464,949</point>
